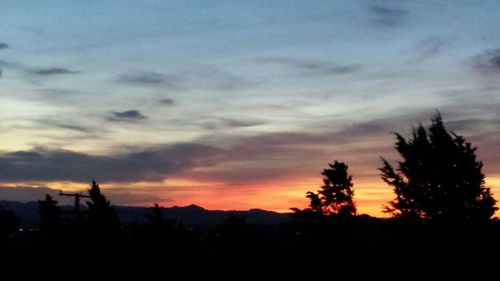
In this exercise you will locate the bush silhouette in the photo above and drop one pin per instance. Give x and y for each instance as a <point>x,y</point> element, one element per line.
<point>439,177</point>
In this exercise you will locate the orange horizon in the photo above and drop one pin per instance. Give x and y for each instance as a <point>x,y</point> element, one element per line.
<point>277,195</point>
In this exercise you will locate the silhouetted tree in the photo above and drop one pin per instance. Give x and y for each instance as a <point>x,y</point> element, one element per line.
<point>100,213</point>
<point>439,177</point>
<point>50,213</point>
<point>156,216</point>
<point>335,196</point>
<point>156,219</point>
<point>9,224</point>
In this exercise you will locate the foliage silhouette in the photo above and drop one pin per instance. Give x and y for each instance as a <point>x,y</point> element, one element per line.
<point>101,214</point>
<point>50,214</point>
<point>157,221</point>
<point>9,224</point>
<point>335,198</point>
<point>439,178</point>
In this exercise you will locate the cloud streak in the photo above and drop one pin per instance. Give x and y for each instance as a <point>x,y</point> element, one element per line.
<point>227,123</point>
<point>127,116</point>
<point>37,72</point>
<point>313,67</point>
<point>54,71</point>
<point>187,79</point>
<point>166,101</point>
<point>151,78</point>
<point>386,16</point>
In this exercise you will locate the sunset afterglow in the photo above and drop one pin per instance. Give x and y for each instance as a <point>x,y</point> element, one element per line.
<point>236,106</point>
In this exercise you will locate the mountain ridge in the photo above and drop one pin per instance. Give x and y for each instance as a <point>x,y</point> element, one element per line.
<point>191,215</point>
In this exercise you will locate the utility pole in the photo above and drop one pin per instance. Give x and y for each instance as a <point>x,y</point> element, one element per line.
<point>77,197</point>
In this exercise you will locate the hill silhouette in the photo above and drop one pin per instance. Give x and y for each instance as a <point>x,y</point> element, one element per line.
<point>191,216</point>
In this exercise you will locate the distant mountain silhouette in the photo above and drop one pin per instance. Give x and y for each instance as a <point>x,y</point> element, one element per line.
<point>190,216</point>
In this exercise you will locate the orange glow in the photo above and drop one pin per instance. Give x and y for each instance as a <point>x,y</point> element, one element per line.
<point>370,195</point>
<point>278,195</point>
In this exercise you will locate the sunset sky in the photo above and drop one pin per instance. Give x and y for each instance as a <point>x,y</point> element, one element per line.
<point>236,104</point>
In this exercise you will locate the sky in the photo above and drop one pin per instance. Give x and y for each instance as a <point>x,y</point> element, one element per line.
<point>236,104</point>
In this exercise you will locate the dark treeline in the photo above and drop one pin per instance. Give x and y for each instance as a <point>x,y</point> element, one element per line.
<point>442,227</point>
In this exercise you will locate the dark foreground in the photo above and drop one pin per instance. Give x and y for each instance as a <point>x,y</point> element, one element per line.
<point>361,248</point>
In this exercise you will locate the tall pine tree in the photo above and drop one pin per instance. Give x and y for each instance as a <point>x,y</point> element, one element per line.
<point>439,177</point>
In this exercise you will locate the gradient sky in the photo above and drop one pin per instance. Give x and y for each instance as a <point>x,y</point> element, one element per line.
<point>236,104</point>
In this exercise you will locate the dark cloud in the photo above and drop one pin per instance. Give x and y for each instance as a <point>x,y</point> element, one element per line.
<point>119,196</point>
<point>388,16</point>
<point>149,78</point>
<point>26,193</point>
<point>54,71</point>
<point>127,116</point>
<point>4,45</point>
<point>167,101</point>
<point>315,67</point>
<point>488,62</point>
<point>236,159</point>
<point>242,159</point>
<point>62,165</point>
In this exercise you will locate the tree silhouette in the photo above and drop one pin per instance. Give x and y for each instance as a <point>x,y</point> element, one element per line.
<point>100,213</point>
<point>50,213</point>
<point>335,196</point>
<point>9,224</point>
<point>439,177</point>
<point>157,220</point>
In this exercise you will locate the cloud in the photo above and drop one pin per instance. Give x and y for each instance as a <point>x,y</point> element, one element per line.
<point>226,123</point>
<point>62,165</point>
<point>47,122</point>
<point>429,47</point>
<point>4,45</point>
<point>388,16</point>
<point>231,160</point>
<point>187,79</point>
<point>166,101</point>
<point>213,78</point>
<point>53,71</point>
<point>13,65</point>
<point>315,67</point>
<point>127,116</point>
<point>150,78</point>
<point>235,159</point>
<point>38,72</point>
<point>26,193</point>
<point>475,126</point>
<point>117,195</point>
<point>488,62</point>
<point>71,126</point>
